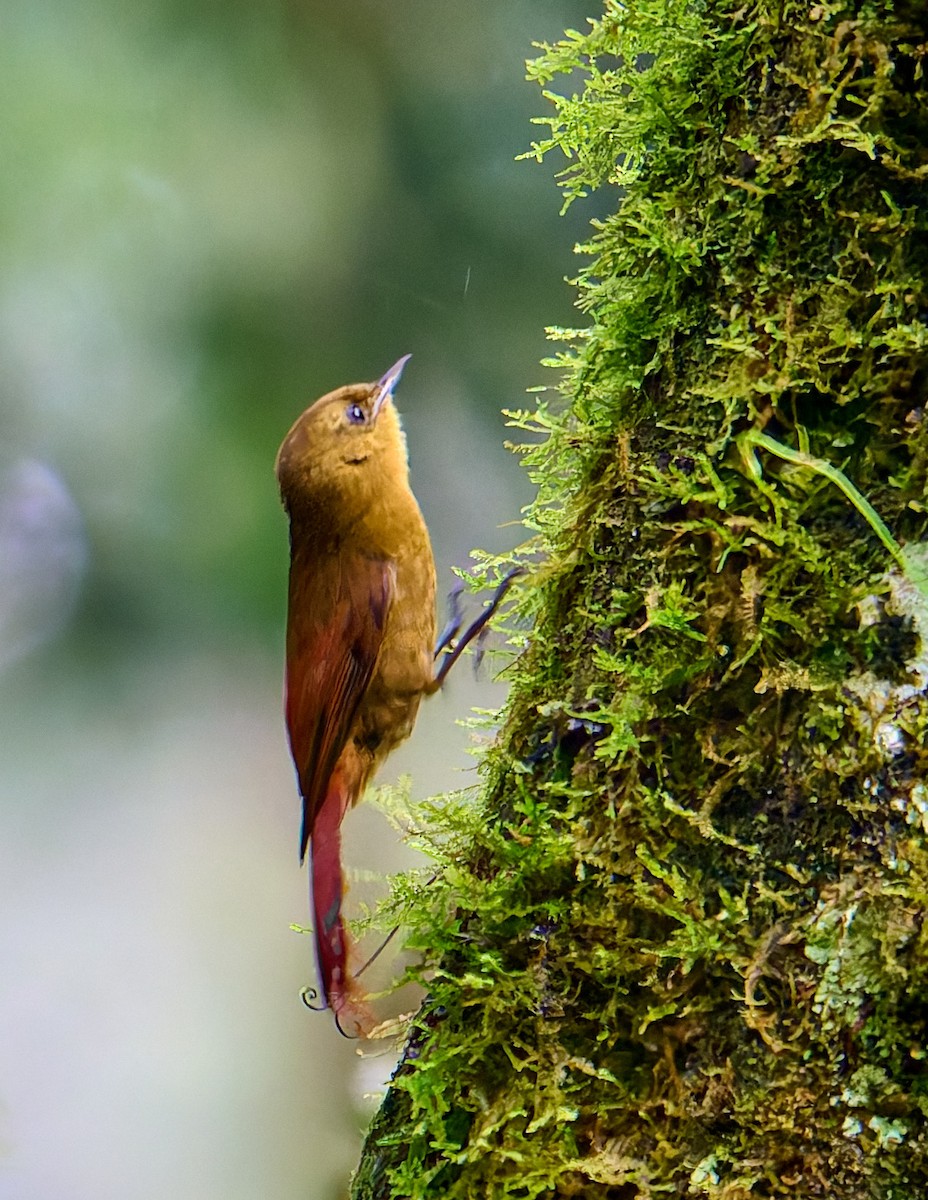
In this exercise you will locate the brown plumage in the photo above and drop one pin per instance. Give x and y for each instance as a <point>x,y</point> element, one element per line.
<point>360,628</point>
<point>360,631</point>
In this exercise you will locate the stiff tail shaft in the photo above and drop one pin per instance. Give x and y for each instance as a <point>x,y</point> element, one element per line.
<point>333,942</point>
<point>328,887</point>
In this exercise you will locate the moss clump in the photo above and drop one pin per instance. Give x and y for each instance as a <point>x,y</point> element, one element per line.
<point>677,948</point>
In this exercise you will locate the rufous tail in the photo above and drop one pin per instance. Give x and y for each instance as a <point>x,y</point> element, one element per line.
<point>333,942</point>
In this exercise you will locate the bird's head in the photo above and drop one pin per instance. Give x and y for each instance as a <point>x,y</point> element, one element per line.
<point>343,445</point>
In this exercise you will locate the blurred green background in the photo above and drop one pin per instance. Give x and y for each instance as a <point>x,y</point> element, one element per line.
<point>212,213</point>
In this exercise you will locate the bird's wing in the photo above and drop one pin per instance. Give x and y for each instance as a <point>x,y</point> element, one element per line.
<point>335,626</point>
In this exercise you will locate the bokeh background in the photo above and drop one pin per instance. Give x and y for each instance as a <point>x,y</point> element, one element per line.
<point>210,213</point>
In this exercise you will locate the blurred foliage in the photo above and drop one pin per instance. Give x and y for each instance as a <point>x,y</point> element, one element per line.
<point>212,213</point>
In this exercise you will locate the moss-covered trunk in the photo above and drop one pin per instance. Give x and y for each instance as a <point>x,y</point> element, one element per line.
<point>678,945</point>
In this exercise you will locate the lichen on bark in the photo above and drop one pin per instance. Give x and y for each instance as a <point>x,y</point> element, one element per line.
<point>676,946</point>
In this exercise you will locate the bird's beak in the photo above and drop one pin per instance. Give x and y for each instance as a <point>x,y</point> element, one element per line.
<point>386,385</point>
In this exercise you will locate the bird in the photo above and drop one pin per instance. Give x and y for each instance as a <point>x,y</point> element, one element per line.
<point>360,641</point>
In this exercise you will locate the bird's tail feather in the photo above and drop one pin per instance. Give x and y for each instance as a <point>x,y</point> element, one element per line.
<point>334,945</point>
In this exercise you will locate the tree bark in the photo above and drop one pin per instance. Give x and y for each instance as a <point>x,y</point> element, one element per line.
<point>677,946</point>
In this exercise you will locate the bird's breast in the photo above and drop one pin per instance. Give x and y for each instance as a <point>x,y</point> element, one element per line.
<point>404,668</point>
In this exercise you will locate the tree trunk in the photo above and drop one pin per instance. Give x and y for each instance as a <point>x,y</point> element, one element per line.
<point>677,947</point>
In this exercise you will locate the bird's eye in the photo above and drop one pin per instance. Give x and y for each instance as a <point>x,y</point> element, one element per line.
<point>356,414</point>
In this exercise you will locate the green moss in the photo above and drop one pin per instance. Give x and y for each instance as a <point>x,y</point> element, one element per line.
<point>676,947</point>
